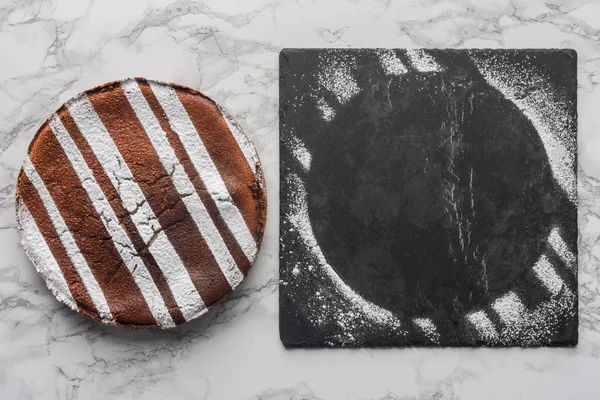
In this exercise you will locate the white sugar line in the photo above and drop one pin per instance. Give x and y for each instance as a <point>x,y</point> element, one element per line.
<point>122,242</point>
<point>242,140</point>
<point>194,146</point>
<point>549,117</point>
<point>510,309</point>
<point>428,328</point>
<point>327,112</point>
<point>560,247</point>
<point>422,61</point>
<point>301,153</point>
<point>68,242</point>
<point>37,249</point>
<point>484,325</point>
<point>134,201</point>
<point>391,64</point>
<point>546,273</point>
<point>300,220</point>
<point>182,182</point>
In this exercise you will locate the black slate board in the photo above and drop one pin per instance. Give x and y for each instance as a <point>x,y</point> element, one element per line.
<point>428,197</point>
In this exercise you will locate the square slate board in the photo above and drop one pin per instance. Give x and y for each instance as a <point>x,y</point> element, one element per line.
<point>428,197</point>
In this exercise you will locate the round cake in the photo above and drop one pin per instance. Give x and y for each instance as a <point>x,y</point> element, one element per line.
<point>141,203</point>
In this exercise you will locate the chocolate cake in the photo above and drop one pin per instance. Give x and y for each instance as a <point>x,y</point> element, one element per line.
<point>141,203</point>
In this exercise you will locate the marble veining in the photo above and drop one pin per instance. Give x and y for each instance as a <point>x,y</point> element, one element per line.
<point>230,50</point>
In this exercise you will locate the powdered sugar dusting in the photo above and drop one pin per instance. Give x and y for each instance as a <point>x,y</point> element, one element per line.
<point>338,78</point>
<point>532,94</point>
<point>359,309</point>
<point>531,327</point>
<point>422,61</point>
<point>327,112</point>
<point>428,327</point>
<point>484,325</point>
<point>40,254</point>
<point>391,64</point>
<point>301,153</point>
<point>511,311</point>
<point>527,326</point>
<point>242,140</point>
<point>546,273</point>
<point>509,308</point>
<point>560,247</point>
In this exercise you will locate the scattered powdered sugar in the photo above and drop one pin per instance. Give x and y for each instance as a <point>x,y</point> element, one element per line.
<point>550,116</point>
<point>39,253</point>
<point>528,326</point>
<point>510,309</point>
<point>484,325</point>
<point>391,64</point>
<point>300,152</point>
<point>327,112</point>
<point>243,142</point>
<point>536,326</point>
<point>546,273</point>
<point>554,123</point>
<point>422,61</point>
<point>560,247</point>
<point>359,308</point>
<point>428,327</point>
<point>337,76</point>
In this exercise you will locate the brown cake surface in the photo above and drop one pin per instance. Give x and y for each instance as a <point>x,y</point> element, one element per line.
<point>141,203</point>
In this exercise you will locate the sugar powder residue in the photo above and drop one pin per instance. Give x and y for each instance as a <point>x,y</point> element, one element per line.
<point>337,76</point>
<point>348,309</point>
<point>327,112</point>
<point>538,101</point>
<point>391,64</point>
<point>300,152</point>
<point>484,325</point>
<point>551,117</point>
<point>422,61</point>
<point>536,326</point>
<point>428,327</point>
<point>548,276</point>
<point>523,326</point>
<point>560,247</point>
<point>510,309</point>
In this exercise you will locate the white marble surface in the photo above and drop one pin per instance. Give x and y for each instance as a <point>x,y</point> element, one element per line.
<point>51,50</point>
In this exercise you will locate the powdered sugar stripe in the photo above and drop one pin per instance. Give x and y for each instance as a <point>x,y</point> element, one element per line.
<point>428,328</point>
<point>301,153</point>
<point>122,242</point>
<point>67,240</point>
<point>546,273</point>
<point>192,142</point>
<point>547,114</point>
<point>560,247</point>
<point>43,259</point>
<point>182,182</point>
<point>484,325</point>
<point>300,221</point>
<point>510,309</point>
<point>422,61</point>
<point>391,64</point>
<point>242,140</point>
<point>135,203</point>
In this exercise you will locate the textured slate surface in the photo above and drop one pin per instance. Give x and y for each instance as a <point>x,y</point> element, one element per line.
<point>428,197</point>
